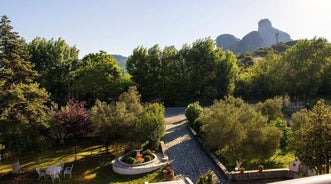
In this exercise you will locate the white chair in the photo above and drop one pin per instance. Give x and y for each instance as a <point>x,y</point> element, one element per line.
<point>55,176</point>
<point>41,174</point>
<point>62,168</point>
<point>68,171</point>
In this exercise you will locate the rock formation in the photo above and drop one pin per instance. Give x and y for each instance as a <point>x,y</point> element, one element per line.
<point>264,37</point>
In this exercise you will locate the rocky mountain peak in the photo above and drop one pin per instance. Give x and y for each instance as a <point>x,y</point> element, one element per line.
<point>264,37</point>
<point>264,24</point>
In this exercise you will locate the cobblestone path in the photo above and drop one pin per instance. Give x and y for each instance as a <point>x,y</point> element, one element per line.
<point>189,159</point>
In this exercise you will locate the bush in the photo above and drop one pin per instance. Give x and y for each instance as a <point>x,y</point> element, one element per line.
<point>147,158</point>
<point>147,152</point>
<point>206,179</point>
<point>131,160</point>
<point>197,125</point>
<point>192,112</point>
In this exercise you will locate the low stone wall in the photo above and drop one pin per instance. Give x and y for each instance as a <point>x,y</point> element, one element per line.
<point>265,175</point>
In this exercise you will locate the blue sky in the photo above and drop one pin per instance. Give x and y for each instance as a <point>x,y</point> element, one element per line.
<point>119,26</point>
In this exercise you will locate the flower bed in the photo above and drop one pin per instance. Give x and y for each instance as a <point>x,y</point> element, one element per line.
<point>137,158</point>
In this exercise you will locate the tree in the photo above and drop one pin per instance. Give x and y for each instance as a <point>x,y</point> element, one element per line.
<point>311,137</point>
<point>272,108</point>
<point>306,61</point>
<point>54,60</point>
<point>74,119</point>
<point>150,125</point>
<point>238,132</point>
<point>99,77</point>
<point>211,71</point>
<point>22,101</point>
<point>200,72</point>
<point>282,125</point>
<point>264,79</point>
<point>115,121</point>
<point>145,68</point>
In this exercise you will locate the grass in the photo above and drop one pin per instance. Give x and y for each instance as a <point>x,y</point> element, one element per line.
<point>278,160</point>
<point>93,166</point>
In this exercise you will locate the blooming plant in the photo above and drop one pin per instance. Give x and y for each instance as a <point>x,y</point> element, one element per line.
<point>168,170</point>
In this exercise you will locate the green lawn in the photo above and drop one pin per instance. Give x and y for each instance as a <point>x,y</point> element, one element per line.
<point>93,165</point>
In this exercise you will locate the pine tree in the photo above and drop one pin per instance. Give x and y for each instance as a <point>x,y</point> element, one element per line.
<point>15,67</point>
<point>22,102</point>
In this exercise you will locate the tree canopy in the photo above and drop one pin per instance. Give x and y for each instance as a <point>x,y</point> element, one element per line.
<point>54,60</point>
<point>238,132</point>
<point>22,101</point>
<point>311,136</point>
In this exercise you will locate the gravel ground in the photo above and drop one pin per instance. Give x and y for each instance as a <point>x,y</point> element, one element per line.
<point>189,158</point>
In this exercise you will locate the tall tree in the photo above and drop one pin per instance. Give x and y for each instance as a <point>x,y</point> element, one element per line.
<point>198,72</point>
<point>211,70</point>
<point>54,60</point>
<point>144,66</point>
<point>311,136</point>
<point>305,65</point>
<point>99,76</point>
<point>22,102</point>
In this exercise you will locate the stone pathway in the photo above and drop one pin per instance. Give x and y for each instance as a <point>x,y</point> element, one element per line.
<point>189,159</point>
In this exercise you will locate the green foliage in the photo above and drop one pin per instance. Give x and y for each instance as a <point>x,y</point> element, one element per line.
<point>98,76</point>
<point>192,112</point>
<point>147,152</point>
<point>117,120</point>
<point>54,60</point>
<point>197,124</point>
<point>286,133</point>
<point>23,110</point>
<point>272,108</point>
<point>151,125</point>
<point>206,179</point>
<point>238,131</point>
<point>264,79</point>
<point>128,119</point>
<point>200,72</point>
<point>147,158</point>
<point>306,62</point>
<point>311,137</point>
<point>131,160</point>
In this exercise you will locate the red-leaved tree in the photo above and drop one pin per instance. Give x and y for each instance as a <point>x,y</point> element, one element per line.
<point>74,119</point>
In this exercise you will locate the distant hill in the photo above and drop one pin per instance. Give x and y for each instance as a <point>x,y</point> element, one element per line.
<point>121,60</point>
<point>265,36</point>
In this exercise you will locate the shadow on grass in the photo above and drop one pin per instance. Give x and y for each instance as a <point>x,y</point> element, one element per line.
<point>93,166</point>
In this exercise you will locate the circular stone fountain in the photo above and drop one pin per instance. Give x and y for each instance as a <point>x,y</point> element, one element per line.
<point>121,167</point>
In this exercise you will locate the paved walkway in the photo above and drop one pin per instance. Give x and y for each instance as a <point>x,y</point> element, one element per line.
<point>189,159</point>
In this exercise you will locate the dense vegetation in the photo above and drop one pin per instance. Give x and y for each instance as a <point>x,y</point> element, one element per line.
<point>49,96</point>
<point>237,131</point>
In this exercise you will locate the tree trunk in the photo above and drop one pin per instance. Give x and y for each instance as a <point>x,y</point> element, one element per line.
<point>327,165</point>
<point>75,149</point>
<point>16,166</point>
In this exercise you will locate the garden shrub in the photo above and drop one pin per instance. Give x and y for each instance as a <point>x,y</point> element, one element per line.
<point>147,158</point>
<point>131,160</point>
<point>147,152</point>
<point>192,112</point>
<point>197,125</point>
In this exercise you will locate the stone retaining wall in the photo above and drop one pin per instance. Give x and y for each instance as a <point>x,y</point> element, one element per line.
<point>265,175</point>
